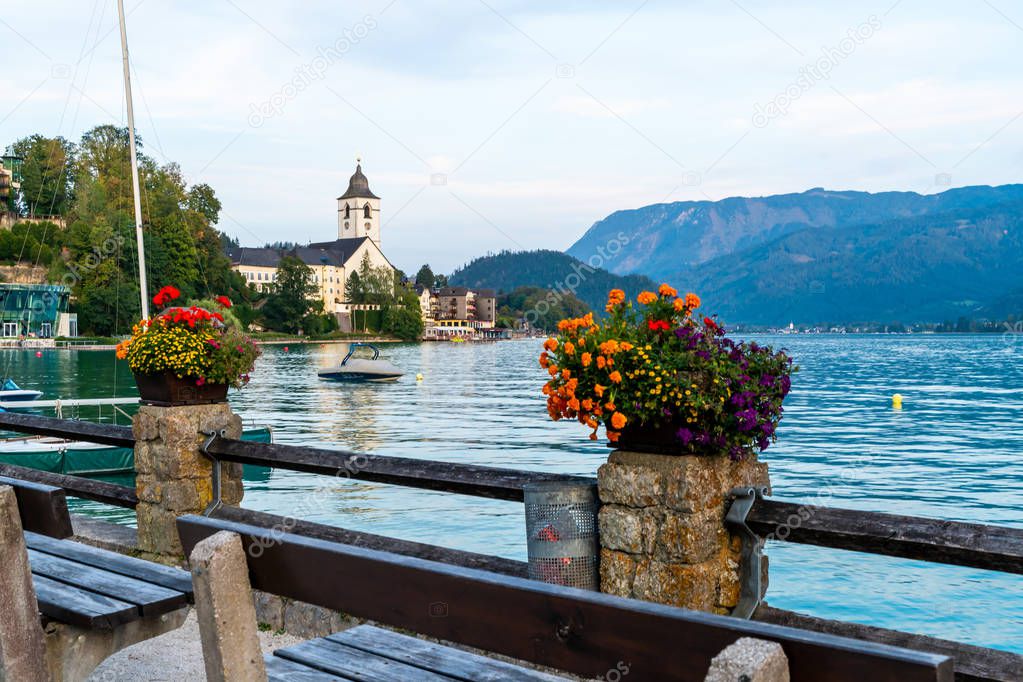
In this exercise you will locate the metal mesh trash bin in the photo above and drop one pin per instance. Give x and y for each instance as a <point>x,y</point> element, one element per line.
<point>561,534</point>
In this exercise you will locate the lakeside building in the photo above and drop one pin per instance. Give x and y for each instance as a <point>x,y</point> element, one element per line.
<point>36,311</point>
<point>458,312</point>
<point>333,262</point>
<point>10,184</point>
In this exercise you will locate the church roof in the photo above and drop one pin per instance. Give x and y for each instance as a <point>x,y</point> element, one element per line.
<point>336,253</point>
<point>358,186</point>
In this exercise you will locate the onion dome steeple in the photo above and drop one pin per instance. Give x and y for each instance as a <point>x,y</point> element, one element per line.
<point>358,186</point>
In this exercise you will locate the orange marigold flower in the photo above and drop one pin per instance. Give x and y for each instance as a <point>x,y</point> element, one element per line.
<point>609,347</point>
<point>599,390</point>
<point>679,305</point>
<point>665,290</point>
<point>574,404</point>
<point>601,361</point>
<point>647,297</point>
<point>544,360</point>
<point>586,359</point>
<point>615,296</point>
<point>618,420</point>
<point>593,436</point>
<point>569,348</point>
<point>615,377</point>
<point>566,374</point>
<point>613,436</point>
<point>587,320</point>
<point>553,370</point>
<point>587,404</point>
<point>550,344</point>
<point>692,301</point>
<point>591,422</point>
<point>610,406</point>
<point>546,390</point>
<point>625,345</point>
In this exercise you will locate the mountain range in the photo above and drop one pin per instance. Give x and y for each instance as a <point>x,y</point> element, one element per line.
<point>831,256</point>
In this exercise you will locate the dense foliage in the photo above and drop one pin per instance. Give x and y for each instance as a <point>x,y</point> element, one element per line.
<point>196,343</point>
<point>658,366</point>
<point>550,270</point>
<point>88,184</point>
<point>540,308</point>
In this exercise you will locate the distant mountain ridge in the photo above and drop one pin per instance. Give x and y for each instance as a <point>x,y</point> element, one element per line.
<point>666,240</point>
<point>552,270</point>
<point>823,256</point>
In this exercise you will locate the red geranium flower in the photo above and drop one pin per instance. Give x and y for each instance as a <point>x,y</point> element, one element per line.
<point>166,295</point>
<point>658,325</point>
<point>711,324</point>
<point>224,301</point>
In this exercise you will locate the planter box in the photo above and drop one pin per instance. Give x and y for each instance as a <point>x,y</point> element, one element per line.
<point>168,389</point>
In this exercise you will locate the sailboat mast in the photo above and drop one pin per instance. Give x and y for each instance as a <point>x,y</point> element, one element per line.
<point>143,289</point>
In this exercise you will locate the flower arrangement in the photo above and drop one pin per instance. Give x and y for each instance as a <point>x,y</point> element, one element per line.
<point>656,372</point>
<point>192,343</point>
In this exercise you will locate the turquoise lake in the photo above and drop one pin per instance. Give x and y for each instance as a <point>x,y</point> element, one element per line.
<point>954,451</point>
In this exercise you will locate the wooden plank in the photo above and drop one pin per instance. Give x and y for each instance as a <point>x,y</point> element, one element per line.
<point>74,606</point>
<point>354,664</point>
<point>148,571</point>
<point>283,670</point>
<point>455,663</point>
<point>995,548</point>
<point>76,486</point>
<point>43,508</point>
<point>577,631</point>
<point>972,663</point>
<point>465,479</point>
<point>106,434</point>
<point>485,562</point>
<point>151,600</point>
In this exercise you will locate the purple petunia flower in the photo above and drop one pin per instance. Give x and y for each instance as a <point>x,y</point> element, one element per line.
<point>684,435</point>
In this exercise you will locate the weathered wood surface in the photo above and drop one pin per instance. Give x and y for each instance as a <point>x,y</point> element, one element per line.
<point>72,605</point>
<point>43,508</point>
<point>466,479</point>
<point>486,562</point>
<point>106,434</point>
<point>283,670</point>
<point>972,663</point>
<point>996,548</point>
<point>456,663</point>
<point>76,486</point>
<point>577,631</point>
<point>148,571</point>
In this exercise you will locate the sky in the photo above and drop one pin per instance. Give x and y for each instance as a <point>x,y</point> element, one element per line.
<point>487,125</point>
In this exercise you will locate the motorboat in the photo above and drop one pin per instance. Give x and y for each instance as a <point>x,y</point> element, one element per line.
<point>362,370</point>
<point>11,392</point>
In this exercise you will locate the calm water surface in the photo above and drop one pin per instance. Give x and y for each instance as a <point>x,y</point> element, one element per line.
<point>953,452</point>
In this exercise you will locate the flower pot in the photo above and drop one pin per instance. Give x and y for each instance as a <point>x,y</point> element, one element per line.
<point>168,389</point>
<point>661,439</point>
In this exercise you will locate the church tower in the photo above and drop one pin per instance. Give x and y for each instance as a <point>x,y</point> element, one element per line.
<point>358,209</point>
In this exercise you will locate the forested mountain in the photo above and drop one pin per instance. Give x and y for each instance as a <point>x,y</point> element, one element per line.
<point>552,270</point>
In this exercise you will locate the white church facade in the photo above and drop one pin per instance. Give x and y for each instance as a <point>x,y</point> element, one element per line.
<point>333,262</point>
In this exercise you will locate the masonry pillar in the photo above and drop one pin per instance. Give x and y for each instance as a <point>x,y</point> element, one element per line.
<point>662,528</point>
<point>173,477</point>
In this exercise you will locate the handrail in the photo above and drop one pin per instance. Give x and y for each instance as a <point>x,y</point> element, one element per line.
<point>452,477</point>
<point>995,548</point>
<point>76,486</point>
<point>104,434</point>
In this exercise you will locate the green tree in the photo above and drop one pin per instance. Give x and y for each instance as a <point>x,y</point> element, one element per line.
<point>47,174</point>
<point>403,318</point>
<point>288,303</point>
<point>202,199</point>
<point>425,277</point>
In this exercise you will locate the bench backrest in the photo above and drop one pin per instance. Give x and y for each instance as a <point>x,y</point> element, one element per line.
<point>43,508</point>
<point>585,633</point>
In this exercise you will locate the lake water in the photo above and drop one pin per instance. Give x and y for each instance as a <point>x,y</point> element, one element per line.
<point>953,452</point>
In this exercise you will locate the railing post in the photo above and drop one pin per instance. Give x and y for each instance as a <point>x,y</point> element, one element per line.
<point>662,528</point>
<point>173,477</point>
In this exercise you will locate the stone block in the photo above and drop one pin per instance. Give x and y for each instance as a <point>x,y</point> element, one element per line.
<point>628,530</point>
<point>691,538</point>
<point>269,609</point>
<point>617,573</point>
<point>309,621</point>
<point>692,586</point>
<point>629,485</point>
<point>751,660</point>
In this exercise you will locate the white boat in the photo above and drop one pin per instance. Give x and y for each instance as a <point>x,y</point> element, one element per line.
<point>12,393</point>
<point>363,370</point>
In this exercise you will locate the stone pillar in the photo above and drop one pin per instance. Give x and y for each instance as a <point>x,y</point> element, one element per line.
<point>662,530</point>
<point>172,477</point>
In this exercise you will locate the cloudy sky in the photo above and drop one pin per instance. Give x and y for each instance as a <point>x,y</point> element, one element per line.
<point>508,124</point>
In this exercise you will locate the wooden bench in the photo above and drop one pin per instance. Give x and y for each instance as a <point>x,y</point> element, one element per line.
<point>582,633</point>
<point>72,605</point>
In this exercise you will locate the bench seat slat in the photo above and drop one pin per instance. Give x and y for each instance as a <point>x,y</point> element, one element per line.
<point>282,670</point>
<point>456,663</point>
<point>157,574</point>
<point>355,664</point>
<point>74,606</point>
<point>151,600</point>
<point>43,508</point>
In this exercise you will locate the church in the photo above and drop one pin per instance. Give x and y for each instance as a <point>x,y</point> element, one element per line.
<point>333,262</point>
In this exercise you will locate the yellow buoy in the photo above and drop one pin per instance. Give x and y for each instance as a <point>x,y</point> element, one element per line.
<point>419,377</point>
<point>897,401</point>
